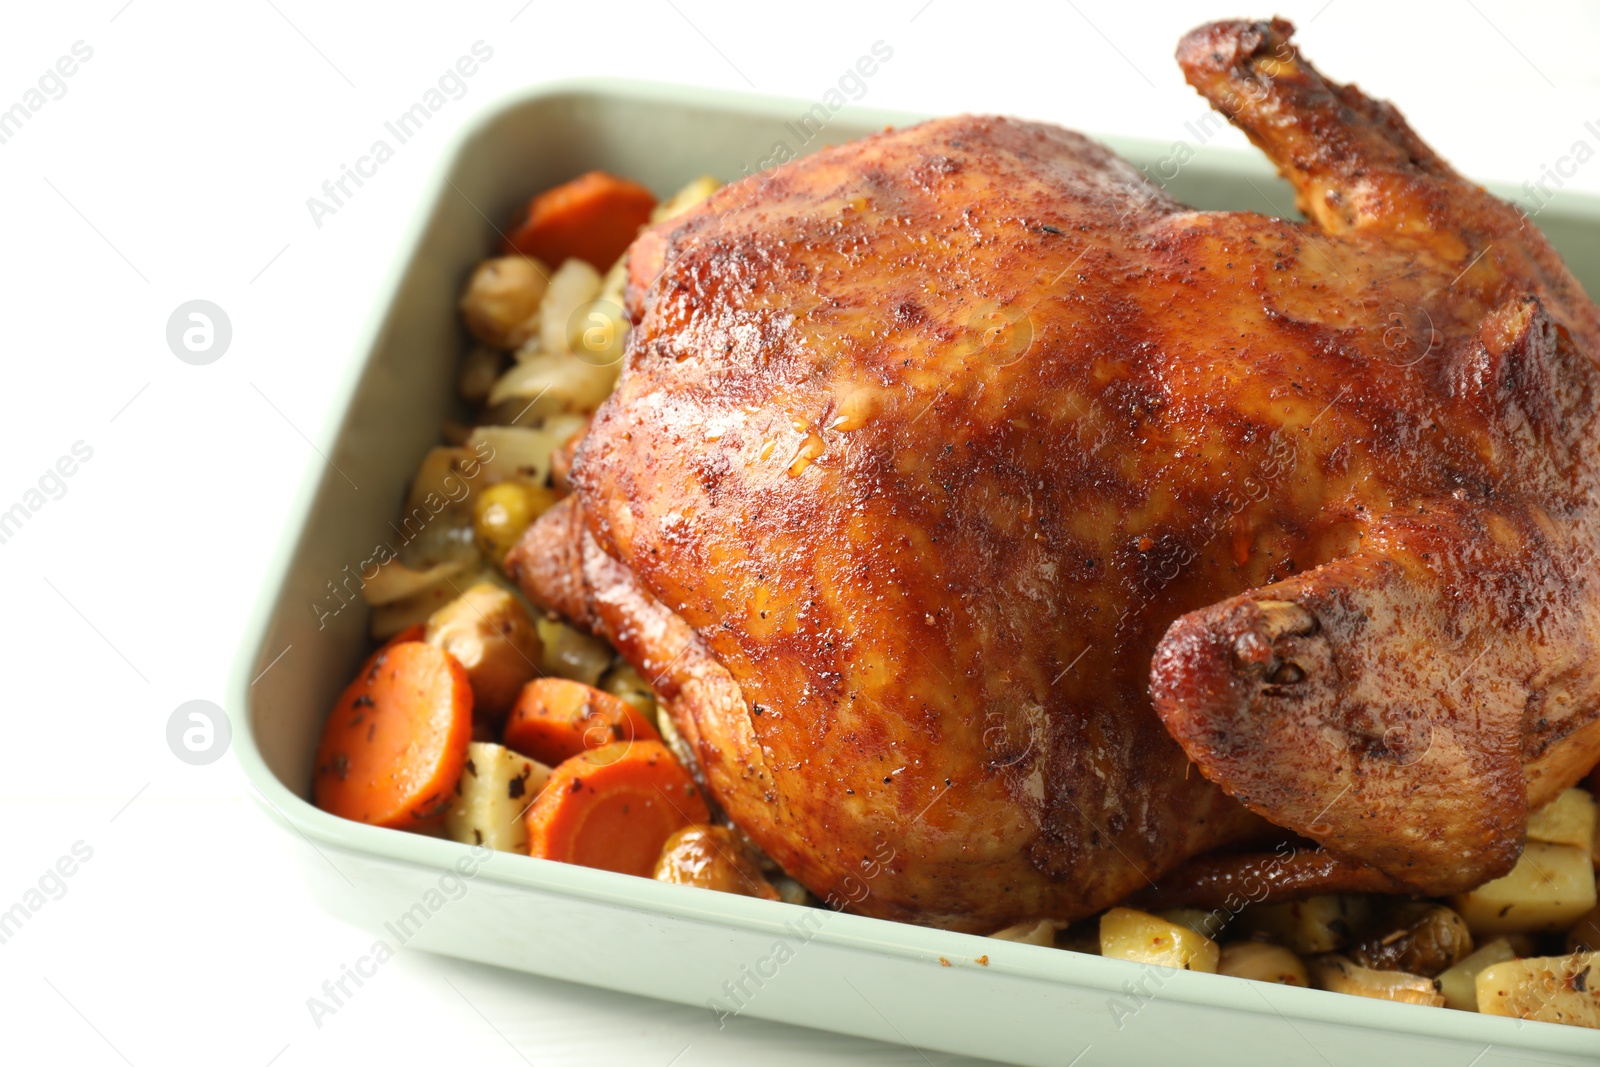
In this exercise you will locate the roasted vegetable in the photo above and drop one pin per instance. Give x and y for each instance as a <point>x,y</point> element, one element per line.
<point>396,740</point>
<point>598,332</point>
<point>548,383</point>
<point>1548,889</point>
<point>574,655</point>
<point>1126,934</point>
<point>1042,932</point>
<point>1316,924</point>
<point>1341,975</point>
<point>492,795</point>
<point>395,616</point>
<point>1551,989</point>
<point>395,581</point>
<point>712,857</point>
<point>501,302</point>
<point>1459,985</point>
<point>1569,819</point>
<point>1585,933</point>
<point>479,370</point>
<point>574,286</point>
<point>614,808</point>
<point>520,452</point>
<point>1417,937</point>
<point>1261,961</point>
<point>1205,923</point>
<point>593,217</point>
<point>685,198</point>
<point>627,685</point>
<point>489,633</point>
<point>446,481</point>
<point>503,512</point>
<point>555,719</point>
<point>673,739</point>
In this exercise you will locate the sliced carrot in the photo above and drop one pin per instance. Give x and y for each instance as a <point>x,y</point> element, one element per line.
<point>555,719</point>
<point>397,739</point>
<point>414,632</point>
<point>593,217</point>
<point>614,808</point>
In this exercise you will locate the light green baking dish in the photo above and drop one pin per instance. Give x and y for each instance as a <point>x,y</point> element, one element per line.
<point>927,988</point>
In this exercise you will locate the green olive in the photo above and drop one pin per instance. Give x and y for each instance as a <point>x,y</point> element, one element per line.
<point>504,511</point>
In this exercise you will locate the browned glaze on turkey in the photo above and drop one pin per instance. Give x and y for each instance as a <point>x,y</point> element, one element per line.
<point>926,445</point>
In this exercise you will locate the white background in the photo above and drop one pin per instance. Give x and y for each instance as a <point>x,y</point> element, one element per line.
<point>177,166</point>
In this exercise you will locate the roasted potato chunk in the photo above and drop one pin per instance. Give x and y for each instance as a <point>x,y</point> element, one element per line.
<point>1126,934</point>
<point>501,302</point>
<point>1261,961</point>
<point>1042,933</point>
<point>1459,985</point>
<point>1569,819</point>
<point>1205,923</point>
<point>1548,889</point>
<point>489,633</point>
<point>1550,989</point>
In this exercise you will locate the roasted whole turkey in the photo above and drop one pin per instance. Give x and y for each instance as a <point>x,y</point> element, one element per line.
<point>1005,538</point>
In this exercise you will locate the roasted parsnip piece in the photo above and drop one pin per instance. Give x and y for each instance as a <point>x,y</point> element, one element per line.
<point>494,790</point>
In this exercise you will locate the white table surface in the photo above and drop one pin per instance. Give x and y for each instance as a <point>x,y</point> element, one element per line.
<point>176,166</point>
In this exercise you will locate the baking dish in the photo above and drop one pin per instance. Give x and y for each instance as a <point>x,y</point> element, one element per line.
<point>732,955</point>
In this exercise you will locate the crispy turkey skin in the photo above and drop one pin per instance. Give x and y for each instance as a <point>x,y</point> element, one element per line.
<point>1001,534</point>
